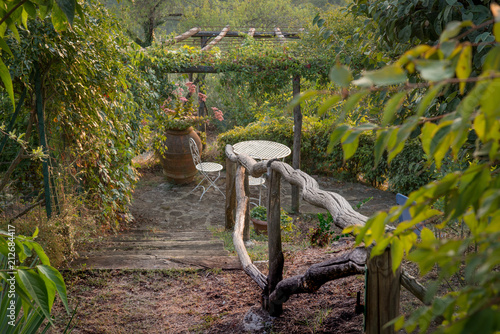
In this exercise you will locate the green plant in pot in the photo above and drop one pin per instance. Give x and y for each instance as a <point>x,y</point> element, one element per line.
<point>174,124</point>
<point>258,215</point>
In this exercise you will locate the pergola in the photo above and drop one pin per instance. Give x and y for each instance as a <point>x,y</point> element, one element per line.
<point>208,39</point>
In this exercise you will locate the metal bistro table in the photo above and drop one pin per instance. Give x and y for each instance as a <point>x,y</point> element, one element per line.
<point>261,150</point>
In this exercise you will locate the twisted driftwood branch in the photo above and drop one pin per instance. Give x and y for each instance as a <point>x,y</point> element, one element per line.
<point>352,263</point>
<point>239,245</point>
<point>343,215</point>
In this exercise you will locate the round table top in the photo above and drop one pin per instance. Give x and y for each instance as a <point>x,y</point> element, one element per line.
<point>262,149</point>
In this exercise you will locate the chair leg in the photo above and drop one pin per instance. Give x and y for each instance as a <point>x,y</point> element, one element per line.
<point>211,184</point>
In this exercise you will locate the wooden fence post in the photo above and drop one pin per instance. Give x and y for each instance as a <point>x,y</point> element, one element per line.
<point>246,229</point>
<point>230,194</point>
<point>276,259</point>
<point>297,136</point>
<point>382,294</point>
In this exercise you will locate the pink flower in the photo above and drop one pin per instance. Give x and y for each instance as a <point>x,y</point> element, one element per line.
<point>191,87</point>
<point>183,99</point>
<point>202,97</point>
<point>218,114</point>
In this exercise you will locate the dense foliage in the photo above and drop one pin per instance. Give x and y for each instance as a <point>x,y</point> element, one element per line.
<point>406,172</point>
<point>467,192</point>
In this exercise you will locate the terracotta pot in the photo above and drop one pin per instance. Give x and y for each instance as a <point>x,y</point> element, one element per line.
<point>259,226</point>
<point>177,162</point>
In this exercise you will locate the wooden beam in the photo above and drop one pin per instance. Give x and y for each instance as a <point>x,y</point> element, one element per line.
<point>288,35</point>
<point>279,35</point>
<point>217,39</point>
<point>183,36</point>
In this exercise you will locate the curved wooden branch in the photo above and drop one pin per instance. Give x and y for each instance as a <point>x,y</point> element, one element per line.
<point>343,215</point>
<point>342,212</point>
<point>349,264</point>
<point>239,245</point>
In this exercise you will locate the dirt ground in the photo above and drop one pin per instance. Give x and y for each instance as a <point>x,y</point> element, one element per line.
<point>215,301</point>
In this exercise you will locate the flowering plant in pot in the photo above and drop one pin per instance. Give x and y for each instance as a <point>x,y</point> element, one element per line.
<point>173,124</point>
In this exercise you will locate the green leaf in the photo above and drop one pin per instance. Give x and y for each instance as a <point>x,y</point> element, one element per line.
<point>464,65</point>
<point>24,19</point>
<point>37,289</point>
<point>302,97</point>
<point>340,75</point>
<point>7,81</point>
<point>56,278</point>
<point>354,100</point>
<point>30,9</point>
<point>68,8</point>
<point>435,70</point>
<point>452,29</point>
<point>381,143</point>
<point>5,47</point>
<point>496,31</point>
<point>336,135</point>
<point>350,142</point>
<point>58,18</point>
<point>328,104</point>
<point>397,253</point>
<point>386,76</point>
<point>392,106</point>
<point>428,98</point>
<point>41,253</point>
<point>378,226</point>
<point>380,247</point>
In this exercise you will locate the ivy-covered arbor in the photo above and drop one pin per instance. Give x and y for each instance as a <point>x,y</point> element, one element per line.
<point>266,68</point>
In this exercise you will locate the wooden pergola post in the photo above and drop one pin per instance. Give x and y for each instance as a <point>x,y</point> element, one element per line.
<point>230,194</point>
<point>382,294</point>
<point>276,259</point>
<point>297,137</point>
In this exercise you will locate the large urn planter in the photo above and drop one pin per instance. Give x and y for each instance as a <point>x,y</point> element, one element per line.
<point>177,162</point>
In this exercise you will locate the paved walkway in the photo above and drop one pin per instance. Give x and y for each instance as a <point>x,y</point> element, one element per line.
<point>172,229</point>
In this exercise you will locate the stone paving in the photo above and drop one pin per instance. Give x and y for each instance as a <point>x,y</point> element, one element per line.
<point>172,228</point>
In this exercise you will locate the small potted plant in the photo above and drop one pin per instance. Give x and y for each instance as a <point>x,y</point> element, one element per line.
<point>258,216</point>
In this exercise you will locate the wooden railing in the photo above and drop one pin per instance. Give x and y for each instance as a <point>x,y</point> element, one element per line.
<point>382,290</point>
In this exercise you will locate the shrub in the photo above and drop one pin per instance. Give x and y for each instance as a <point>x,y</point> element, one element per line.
<point>405,173</point>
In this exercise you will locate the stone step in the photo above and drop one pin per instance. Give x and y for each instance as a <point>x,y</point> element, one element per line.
<point>162,235</point>
<point>152,262</point>
<point>164,254</point>
<point>163,244</point>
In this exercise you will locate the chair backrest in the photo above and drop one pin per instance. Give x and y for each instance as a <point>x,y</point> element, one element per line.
<point>195,153</point>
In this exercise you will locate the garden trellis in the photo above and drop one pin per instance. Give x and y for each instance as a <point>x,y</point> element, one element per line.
<point>277,35</point>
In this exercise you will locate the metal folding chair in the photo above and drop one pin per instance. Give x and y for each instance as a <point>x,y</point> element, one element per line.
<point>256,181</point>
<point>205,168</point>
